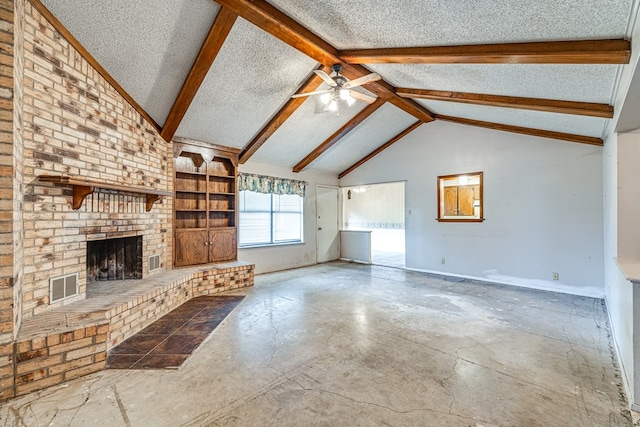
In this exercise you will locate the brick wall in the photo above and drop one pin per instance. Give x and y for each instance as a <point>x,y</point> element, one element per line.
<point>47,355</point>
<point>75,123</point>
<point>48,360</point>
<point>18,156</point>
<point>11,182</point>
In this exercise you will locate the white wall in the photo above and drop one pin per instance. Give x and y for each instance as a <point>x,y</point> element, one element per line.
<point>619,291</point>
<point>274,258</point>
<point>379,206</point>
<point>542,204</point>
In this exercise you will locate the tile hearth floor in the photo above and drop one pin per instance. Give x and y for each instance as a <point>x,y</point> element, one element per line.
<point>170,340</point>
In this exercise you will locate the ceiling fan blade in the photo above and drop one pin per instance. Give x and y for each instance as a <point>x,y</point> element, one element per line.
<point>362,97</point>
<point>324,76</point>
<point>315,92</point>
<point>362,80</point>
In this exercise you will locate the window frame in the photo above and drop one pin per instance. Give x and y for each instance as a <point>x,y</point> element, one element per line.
<point>272,214</point>
<point>456,178</point>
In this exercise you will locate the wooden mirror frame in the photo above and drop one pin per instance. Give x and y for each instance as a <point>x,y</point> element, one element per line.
<point>447,212</point>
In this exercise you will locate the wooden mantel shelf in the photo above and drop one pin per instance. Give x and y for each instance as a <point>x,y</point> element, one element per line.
<point>82,187</point>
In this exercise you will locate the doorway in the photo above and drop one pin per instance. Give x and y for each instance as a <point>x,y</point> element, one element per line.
<point>328,247</point>
<point>378,208</point>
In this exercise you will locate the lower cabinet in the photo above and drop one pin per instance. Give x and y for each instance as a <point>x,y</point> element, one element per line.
<point>222,245</point>
<point>202,246</point>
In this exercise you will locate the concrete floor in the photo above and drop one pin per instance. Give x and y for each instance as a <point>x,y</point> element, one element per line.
<point>355,345</point>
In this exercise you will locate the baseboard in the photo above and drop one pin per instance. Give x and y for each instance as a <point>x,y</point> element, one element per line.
<point>522,283</point>
<point>623,370</point>
<point>357,261</point>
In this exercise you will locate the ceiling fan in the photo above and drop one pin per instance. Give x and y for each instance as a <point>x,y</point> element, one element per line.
<point>341,88</point>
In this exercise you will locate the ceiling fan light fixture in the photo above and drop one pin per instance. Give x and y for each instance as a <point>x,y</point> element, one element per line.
<point>333,106</point>
<point>345,95</point>
<point>325,98</point>
<point>350,100</point>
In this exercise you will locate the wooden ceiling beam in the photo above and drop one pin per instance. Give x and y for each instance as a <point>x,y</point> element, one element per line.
<point>208,51</point>
<point>608,51</point>
<point>537,104</point>
<point>380,149</point>
<point>339,134</point>
<point>84,53</point>
<point>525,131</point>
<point>282,115</point>
<point>284,28</point>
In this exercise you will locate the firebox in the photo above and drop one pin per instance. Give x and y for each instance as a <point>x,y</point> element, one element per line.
<point>114,259</point>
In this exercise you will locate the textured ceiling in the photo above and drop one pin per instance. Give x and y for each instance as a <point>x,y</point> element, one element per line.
<point>148,46</point>
<point>567,123</point>
<point>253,75</point>
<point>381,126</point>
<point>585,83</point>
<point>307,128</point>
<point>353,24</point>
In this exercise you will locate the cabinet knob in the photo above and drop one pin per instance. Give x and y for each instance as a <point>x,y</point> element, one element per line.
<point>206,243</point>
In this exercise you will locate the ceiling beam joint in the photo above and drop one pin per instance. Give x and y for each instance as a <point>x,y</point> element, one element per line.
<point>286,29</point>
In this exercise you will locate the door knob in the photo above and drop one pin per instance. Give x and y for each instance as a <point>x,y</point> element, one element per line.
<point>319,228</point>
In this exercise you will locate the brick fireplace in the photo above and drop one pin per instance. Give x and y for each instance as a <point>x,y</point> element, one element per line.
<point>60,117</point>
<point>114,259</point>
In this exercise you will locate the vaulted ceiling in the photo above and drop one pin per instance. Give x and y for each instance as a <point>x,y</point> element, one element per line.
<point>224,71</point>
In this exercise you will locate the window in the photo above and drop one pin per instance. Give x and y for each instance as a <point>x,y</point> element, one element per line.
<point>460,198</point>
<point>269,219</point>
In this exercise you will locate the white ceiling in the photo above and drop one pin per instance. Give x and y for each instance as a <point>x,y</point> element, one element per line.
<point>148,46</point>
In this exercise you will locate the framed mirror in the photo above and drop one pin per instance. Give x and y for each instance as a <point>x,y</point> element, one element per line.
<point>460,198</point>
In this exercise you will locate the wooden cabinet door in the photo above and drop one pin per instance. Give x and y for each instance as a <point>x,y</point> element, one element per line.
<point>223,245</point>
<point>466,195</point>
<point>450,201</point>
<point>191,247</point>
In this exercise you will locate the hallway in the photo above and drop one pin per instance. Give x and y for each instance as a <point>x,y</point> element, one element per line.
<point>343,344</point>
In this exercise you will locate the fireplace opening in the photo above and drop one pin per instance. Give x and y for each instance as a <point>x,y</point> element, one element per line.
<point>114,259</point>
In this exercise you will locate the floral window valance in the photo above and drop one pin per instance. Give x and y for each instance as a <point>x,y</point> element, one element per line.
<point>270,184</point>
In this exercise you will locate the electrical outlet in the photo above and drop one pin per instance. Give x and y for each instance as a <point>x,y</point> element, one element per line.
<point>556,276</point>
<point>442,261</point>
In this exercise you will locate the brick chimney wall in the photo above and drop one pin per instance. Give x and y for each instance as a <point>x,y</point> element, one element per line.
<point>59,116</point>
<point>76,124</point>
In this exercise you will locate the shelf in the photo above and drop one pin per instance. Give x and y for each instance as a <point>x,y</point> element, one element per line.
<point>222,176</point>
<point>191,229</point>
<point>82,187</point>
<point>190,192</point>
<point>191,210</point>
<point>221,194</point>
<point>193,173</point>
<point>222,210</point>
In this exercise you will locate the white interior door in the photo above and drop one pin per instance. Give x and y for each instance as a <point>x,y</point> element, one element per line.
<point>327,212</point>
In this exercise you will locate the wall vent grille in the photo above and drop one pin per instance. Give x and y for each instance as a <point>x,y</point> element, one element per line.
<point>63,287</point>
<point>154,262</point>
